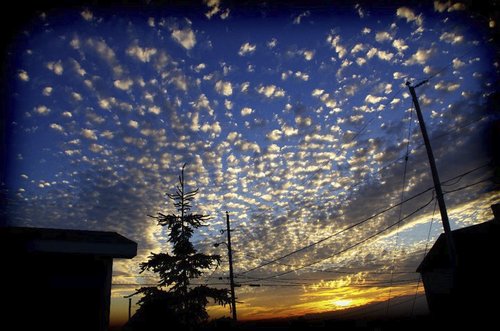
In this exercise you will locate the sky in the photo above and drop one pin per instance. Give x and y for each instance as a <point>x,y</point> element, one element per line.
<point>294,119</point>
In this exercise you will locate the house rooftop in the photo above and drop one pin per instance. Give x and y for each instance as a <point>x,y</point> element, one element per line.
<point>64,241</point>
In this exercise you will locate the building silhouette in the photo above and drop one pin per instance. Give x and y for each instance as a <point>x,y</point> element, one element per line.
<point>468,293</point>
<point>56,279</point>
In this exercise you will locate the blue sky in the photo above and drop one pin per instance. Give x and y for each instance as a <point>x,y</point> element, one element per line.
<point>296,120</point>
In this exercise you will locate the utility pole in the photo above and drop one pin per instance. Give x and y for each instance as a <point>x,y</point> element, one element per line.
<point>129,308</point>
<point>231,275</point>
<point>435,177</point>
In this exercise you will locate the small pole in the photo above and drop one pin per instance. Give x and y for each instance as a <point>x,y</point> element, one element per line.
<point>435,177</point>
<point>231,275</point>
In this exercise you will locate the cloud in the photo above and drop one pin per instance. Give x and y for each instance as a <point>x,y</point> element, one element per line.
<point>334,42</point>
<point>246,111</point>
<point>420,57</point>
<point>23,75</point>
<point>55,67</point>
<point>457,63</point>
<point>154,110</point>
<point>123,84</point>
<point>224,88</point>
<point>442,6</point>
<point>244,87</point>
<point>67,114</point>
<point>399,45</point>
<point>42,110</point>
<point>133,124</point>
<point>298,19</point>
<point>185,37</point>
<point>87,15</point>
<point>76,96</point>
<point>57,127</point>
<point>47,91</point>
<point>308,55</point>
<point>382,36</point>
<point>357,48</point>
<point>360,61</point>
<point>142,54</point>
<point>89,134</point>
<point>274,135</point>
<point>450,87</point>
<point>271,91</point>
<point>247,48</point>
<point>405,12</point>
<point>272,43</point>
<point>451,38</point>
<point>373,99</point>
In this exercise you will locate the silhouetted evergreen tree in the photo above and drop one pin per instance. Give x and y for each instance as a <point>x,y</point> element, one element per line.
<point>181,306</point>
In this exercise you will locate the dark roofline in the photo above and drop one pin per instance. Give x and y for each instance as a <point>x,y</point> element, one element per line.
<point>65,241</point>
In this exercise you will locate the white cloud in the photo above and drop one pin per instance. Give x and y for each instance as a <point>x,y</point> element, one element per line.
<point>224,88</point>
<point>42,110</point>
<point>399,45</point>
<point>244,87</point>
<point>317,92</point>
<point>96,148</point>
<point>302,75</point>
<point>214,7</point>
<point>195,121</point>
<point>371,53</point>
<point>405,12</point>
<point>202,103</point>
<point>232,136</point>
<point>308,55</point>
<point>200,67</point>
<point>366,31</point>
<point>272,43</point>
<point>289,131</point>
<point>246,111</point>
<point>360,61</point>
<point>442,6</point>
<point>373,99</point>
<point>382,36</point>
<point>274,135</point>
<point>398,75</point>
<point>154,110</point>
<point>56,67</point>
<point>87,15</point>
<point>76,96</point>
<point>23,75</point>
<point>357,48</point>
<point>47,91</point>
<point>247,48</point>
<point>298,19</point>
<point>185,38</point>
<point>457,63</point>
<point>228,104</point>
<point>271,91</point>
<point>451,38</point>
<point>123,84</point>
<point>420,57</point>
<point>334,42</point>
<point>133,124</point>
<point>67,114</point>
<point>383,55</point>
<point>142,54</point>
<point>107,134</point>
<point>56,127</point>
<point>450,87</point>
<point>89,134</point>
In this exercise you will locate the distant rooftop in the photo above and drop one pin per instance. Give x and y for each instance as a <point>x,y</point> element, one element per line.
<point>45,240</point>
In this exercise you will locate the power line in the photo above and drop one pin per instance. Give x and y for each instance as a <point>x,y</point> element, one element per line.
<point>351,246</point>
<point>403,187</point>
<point>359,222</point>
